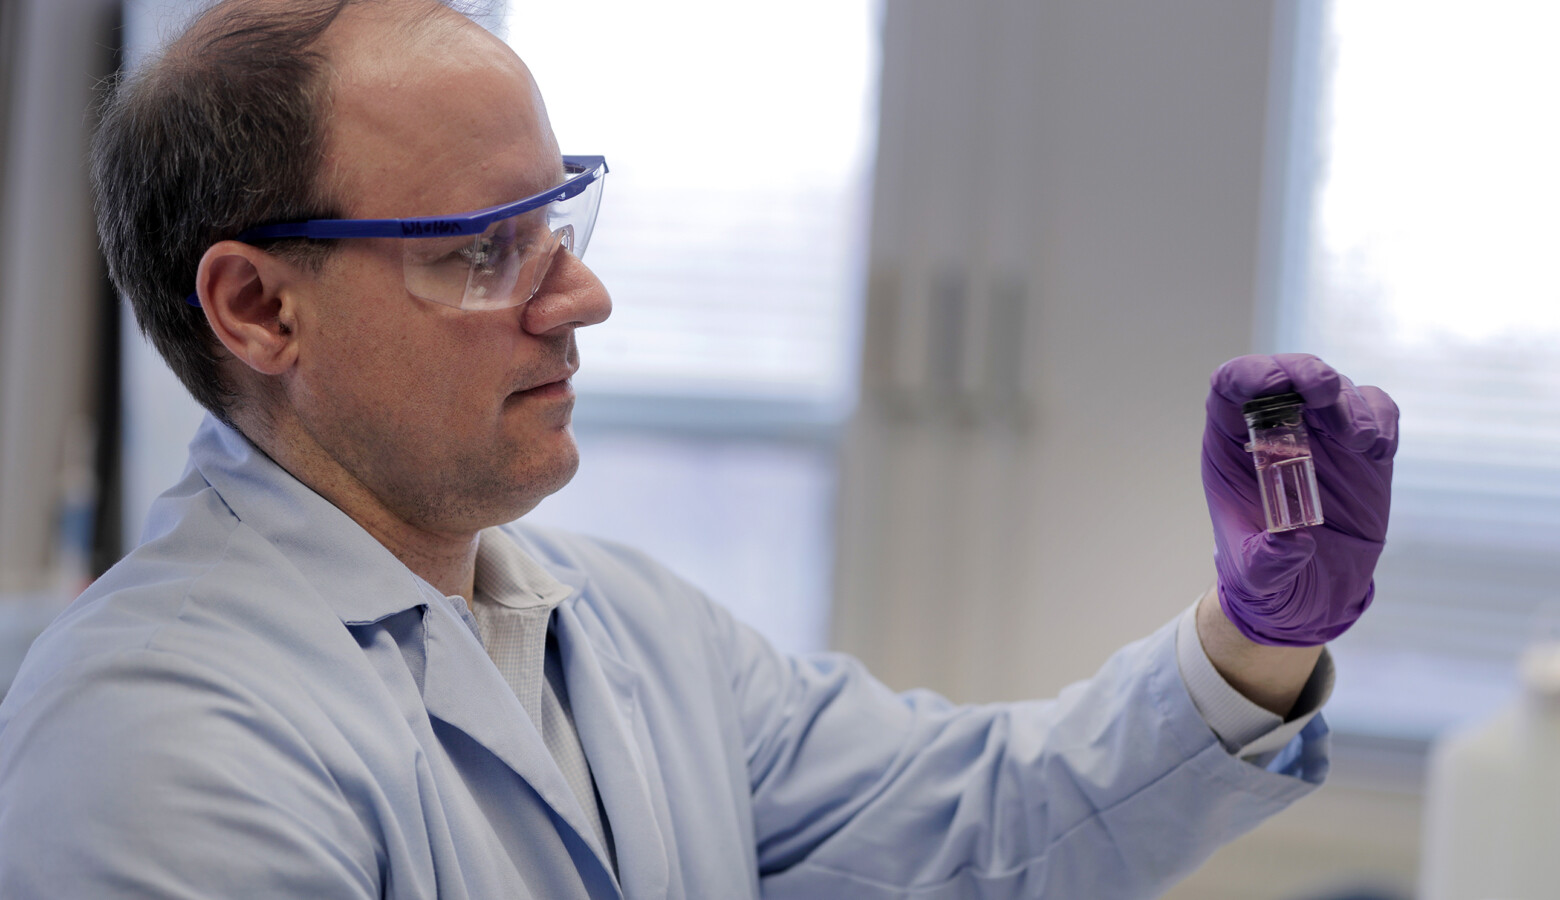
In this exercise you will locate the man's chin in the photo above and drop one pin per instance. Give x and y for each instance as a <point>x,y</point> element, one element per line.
<point>538,483</point>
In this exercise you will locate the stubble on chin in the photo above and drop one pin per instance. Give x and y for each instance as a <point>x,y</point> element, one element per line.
<point>481,491</point>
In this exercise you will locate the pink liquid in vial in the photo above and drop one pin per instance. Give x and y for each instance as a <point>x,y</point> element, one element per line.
<point>1281,449</point>
<point>1289,495</point>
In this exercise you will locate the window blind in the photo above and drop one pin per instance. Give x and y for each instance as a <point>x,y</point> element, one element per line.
<point>1430,272</point>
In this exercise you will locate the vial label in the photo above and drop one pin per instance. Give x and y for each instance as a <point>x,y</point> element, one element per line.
<point>1289,496</point>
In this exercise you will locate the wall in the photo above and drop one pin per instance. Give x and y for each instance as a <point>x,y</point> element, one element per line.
<point>51,280</point>
<point>1065,245</point>
<point>1079,213</point>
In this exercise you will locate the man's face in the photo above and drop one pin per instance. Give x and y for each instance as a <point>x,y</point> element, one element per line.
<point>452,419</point>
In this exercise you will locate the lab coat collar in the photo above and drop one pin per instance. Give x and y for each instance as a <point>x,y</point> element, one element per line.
<point>353,573</point>
<point>462,689</point>
<point>604,698</point>
<point>604,694</point>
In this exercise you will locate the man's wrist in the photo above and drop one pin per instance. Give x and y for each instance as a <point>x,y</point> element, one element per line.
<point>1270,676</point>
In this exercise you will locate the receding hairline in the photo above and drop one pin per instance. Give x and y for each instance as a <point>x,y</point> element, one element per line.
<point>198,50</point>
<point>216,22</point>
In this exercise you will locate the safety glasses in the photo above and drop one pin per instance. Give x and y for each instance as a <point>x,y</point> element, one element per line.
<point>493,258</point>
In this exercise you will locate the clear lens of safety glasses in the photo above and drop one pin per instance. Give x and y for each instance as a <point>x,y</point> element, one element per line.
<point>505,265</point>
<point>491,258</point>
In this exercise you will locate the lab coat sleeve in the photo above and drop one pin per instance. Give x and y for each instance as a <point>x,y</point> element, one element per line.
<point>142,774</point>
<point>1115,789</point>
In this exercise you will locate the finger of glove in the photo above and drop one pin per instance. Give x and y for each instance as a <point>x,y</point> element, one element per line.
<point>1386,412</point>
<point>1248,377</point>
<point>1316,381</point>
<point>1271,562</point>
<point>1356,419</point>
<point>1382,412</point>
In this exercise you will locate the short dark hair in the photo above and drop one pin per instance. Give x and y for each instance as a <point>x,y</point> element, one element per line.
<point>221,132</point>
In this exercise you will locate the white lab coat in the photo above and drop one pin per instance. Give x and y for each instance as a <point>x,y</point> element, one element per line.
<point>261,701</point>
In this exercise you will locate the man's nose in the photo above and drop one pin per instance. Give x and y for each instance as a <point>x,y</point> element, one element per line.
<point>571,296</point>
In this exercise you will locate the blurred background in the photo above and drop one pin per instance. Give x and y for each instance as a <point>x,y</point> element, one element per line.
<point>915,308</point>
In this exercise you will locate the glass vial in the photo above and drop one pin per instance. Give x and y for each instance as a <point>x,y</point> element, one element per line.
<point>1286,473</point>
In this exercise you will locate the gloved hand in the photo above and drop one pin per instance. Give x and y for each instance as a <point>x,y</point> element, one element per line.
<point>1307,586</point>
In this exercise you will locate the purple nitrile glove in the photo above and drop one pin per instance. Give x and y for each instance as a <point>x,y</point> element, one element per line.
<point>1307,586</point>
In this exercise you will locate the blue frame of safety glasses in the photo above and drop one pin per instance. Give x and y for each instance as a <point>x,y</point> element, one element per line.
<point>585,169</point>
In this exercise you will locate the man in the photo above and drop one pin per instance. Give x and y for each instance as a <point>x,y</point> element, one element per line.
<point>327,672</point>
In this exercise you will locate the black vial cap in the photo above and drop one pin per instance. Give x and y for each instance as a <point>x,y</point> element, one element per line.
<point>1273,401</point>
<point>1270,410</point>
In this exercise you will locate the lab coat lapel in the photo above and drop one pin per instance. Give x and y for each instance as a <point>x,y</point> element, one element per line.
<point>366,585</point>
<point>462,688</point>
<point>603,695</point>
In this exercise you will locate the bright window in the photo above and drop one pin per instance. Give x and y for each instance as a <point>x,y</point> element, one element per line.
<point>732,227</point>
<point>731,235</point>
<point>1430,270</point>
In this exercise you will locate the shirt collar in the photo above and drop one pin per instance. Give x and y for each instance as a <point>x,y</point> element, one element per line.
<point>508,576</point>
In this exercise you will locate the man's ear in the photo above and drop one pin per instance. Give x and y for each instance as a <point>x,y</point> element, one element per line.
<point>241,290</point>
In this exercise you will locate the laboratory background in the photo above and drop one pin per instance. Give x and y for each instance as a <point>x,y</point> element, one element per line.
<point>915,307</point>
